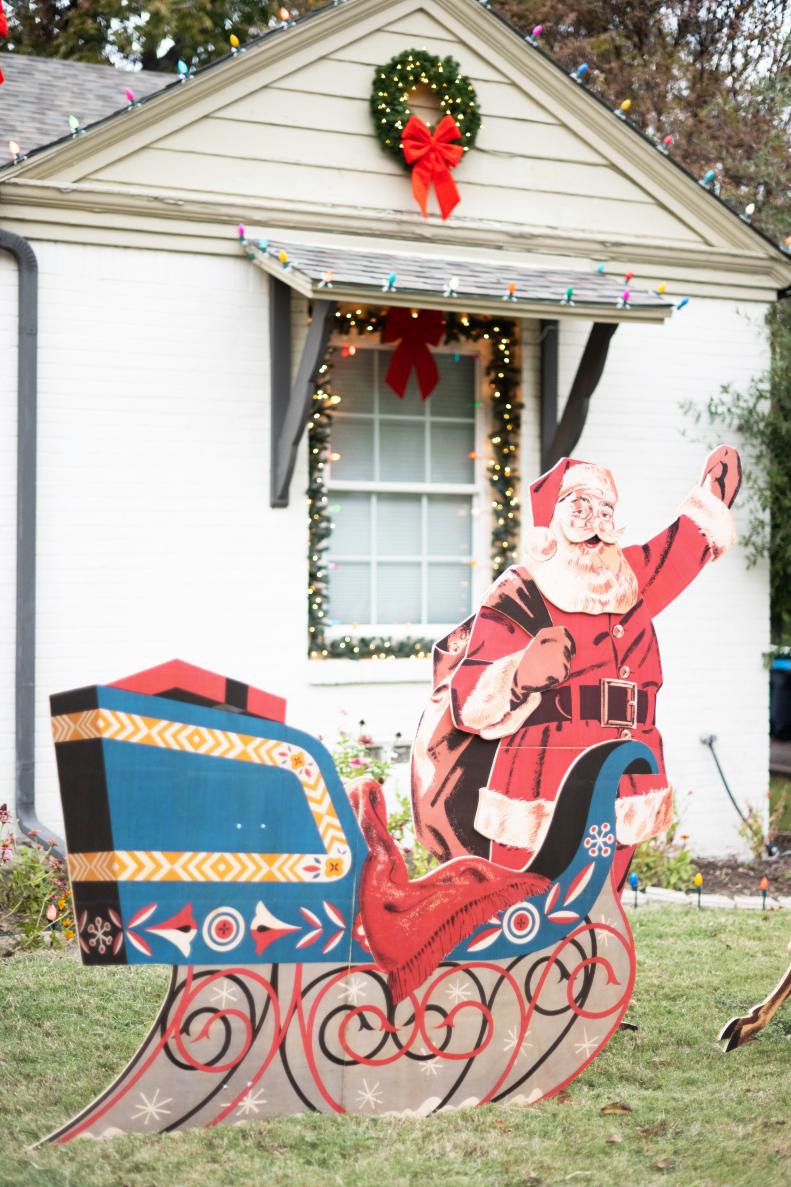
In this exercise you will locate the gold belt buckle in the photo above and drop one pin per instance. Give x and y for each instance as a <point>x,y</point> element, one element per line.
<point>630,688</point>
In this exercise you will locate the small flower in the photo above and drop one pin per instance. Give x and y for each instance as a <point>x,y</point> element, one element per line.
<point>5,815</point>
<point>366,740</point>
<point>52,912</point>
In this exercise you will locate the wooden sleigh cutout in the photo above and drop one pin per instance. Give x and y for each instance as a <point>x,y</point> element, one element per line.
<point>205,833</point>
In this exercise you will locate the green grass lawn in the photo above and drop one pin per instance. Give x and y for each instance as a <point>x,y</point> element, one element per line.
<point>698,1118</point>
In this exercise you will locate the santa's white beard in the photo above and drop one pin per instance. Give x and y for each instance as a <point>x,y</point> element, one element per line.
<point>584,580</point>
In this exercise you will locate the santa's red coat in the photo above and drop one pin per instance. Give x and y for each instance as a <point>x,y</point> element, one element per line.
<point>534,754</point>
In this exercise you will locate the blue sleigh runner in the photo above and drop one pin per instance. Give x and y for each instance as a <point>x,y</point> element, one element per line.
<point>205,833</point>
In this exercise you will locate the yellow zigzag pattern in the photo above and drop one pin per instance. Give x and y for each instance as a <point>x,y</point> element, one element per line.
<point>151,866</point>
<point>147,865</point>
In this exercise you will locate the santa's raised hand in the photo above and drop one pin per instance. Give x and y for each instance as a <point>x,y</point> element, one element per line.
<point>722,473</point>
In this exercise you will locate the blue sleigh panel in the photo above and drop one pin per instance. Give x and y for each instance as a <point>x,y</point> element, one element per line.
<point>199,833</point>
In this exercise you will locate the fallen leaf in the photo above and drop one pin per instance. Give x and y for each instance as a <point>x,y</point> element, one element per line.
<point>662,1164</point>
<point>653,1131</point>
<point>616,1106</point>
<point>562,1098</point>
<point>627,1026</point>
<point>613,1139</point>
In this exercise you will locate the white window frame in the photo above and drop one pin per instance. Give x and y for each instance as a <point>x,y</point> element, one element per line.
<point>480,512</point>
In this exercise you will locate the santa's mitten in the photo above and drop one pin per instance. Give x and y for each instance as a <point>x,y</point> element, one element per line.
<point>547,661</point>
<point>722,474</point>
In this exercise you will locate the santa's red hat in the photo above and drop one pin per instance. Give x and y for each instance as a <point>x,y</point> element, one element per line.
<point>566,475</point>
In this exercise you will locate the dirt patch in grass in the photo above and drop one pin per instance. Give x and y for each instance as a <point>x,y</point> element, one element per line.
<point>731,876</point>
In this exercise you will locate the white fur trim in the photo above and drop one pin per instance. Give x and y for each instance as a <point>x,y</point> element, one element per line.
<point>539,545</point>
<point>589,476</point>
<point>638,817</point>
<point>711,517</point>
<point>487,710</point>
<point>520,823</point>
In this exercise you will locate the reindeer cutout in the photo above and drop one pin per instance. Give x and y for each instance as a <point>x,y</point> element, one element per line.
<point>746,1027</point>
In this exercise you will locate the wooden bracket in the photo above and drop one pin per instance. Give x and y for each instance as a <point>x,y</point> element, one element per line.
<point>559,440</point>
<point>291,402</point>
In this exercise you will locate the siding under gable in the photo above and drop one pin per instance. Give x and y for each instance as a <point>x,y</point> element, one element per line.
<point>308,134</point>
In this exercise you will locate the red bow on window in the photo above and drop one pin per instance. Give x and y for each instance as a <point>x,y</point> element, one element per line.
<point>416,334</point>
<point>432,156</point>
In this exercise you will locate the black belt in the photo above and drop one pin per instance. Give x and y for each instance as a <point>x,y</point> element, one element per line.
<point>613,703</point>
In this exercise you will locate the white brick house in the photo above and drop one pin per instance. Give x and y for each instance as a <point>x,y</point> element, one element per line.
<point>156,536</point>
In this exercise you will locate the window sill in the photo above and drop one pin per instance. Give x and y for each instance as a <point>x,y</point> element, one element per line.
<point>369,671</point>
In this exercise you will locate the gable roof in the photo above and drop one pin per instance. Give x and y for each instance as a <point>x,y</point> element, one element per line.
<point>40,94</point>
<point>686,215</point>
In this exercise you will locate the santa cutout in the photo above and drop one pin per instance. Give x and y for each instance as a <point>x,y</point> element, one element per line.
<point>560,656</point>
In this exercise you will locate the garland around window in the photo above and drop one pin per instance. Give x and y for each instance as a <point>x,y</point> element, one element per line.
<point>502,374</point>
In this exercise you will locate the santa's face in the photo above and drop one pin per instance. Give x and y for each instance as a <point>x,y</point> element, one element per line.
<point>581,566</point>
<point>586,516</point>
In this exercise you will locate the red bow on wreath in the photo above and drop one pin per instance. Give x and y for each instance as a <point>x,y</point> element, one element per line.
<point>432,156</point>
<point>3,30</point>
<point>416,334</point>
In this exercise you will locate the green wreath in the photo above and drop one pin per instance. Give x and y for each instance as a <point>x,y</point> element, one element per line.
<point>395,82</point>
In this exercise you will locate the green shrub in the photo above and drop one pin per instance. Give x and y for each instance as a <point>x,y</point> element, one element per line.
<point>34,890</point>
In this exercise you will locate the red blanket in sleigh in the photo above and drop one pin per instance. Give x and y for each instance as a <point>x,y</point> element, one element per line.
<point>411,925</point>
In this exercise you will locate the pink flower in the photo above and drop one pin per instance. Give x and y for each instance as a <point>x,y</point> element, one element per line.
<point>5,815</point>
<point>52,912</point>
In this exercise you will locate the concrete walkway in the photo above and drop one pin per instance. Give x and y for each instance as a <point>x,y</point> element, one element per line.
<point>656,896</point>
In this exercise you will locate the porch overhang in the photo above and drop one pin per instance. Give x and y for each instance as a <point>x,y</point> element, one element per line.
<point>329,275</point>
<point>504,285</point>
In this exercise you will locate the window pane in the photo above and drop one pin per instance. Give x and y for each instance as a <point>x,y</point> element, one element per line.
<point>353,440</point>
<point>352,379</point>
<point>455,392</point>
<point>451,446</point>
<point>398,593</point>
<point>390,403</point>
<point>351,514</point>
<point>350,591</point>
<point>401,452</point>
<point>398,525</point>
<point>448,592</point>
<point>449,526</point>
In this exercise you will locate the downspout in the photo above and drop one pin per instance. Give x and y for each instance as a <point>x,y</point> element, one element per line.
<point>27,407</point>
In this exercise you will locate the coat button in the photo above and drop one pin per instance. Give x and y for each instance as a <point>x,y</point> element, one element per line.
<point>617,631</point>
<point>625,672</point>
<point>625,734</point>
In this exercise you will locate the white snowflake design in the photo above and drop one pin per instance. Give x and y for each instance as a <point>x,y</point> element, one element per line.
<point>352,989</point>
<point>587,1046</point>
<point>600,841</point>
<point>223,994</point>
<point>458,991</point>
<point>150,1110</point>
<point>251,1102</point>
<point>369,1095</point>
<point>100,934</point>
<point>604,937</point>
<point>428,1066</point>
<point>513,1038</point>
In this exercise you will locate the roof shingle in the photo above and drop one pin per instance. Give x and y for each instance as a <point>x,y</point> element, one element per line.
<point>39,94</point>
